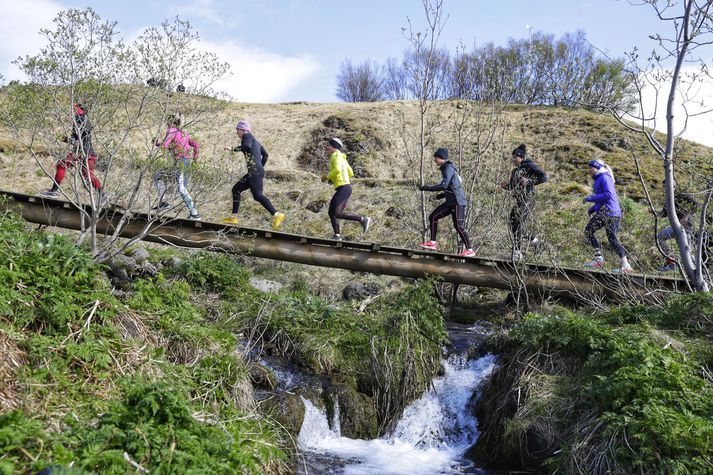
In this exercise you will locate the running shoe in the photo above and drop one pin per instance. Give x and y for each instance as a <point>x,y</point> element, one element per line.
<point>195,217</point>
<point>515,256</point>
<point>230,220</point>
<point>162,206</point>
<point>429,245</point>
<point>596,263</point>
<point>277,220</point>
<point>365,222</point>
<point>467,253</point>
<point>337,237</point>
<point>50,193</point>
<point>667,267</point>
<point>623,270</point>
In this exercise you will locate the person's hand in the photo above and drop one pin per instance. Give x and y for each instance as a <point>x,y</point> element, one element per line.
<point>440,196</point>
<point>590,210</point>
<point>584,200</point>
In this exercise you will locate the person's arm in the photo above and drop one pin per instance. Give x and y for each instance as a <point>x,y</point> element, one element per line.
<point>535,174</point>
<point>448,175</point>
<point>604,196</point>
<point>170,135</point>
<point>195,146</point>
<point>333,168</point>
<point>264,154</point>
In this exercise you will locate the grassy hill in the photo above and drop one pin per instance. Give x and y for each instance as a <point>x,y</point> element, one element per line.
<point>380,138</point>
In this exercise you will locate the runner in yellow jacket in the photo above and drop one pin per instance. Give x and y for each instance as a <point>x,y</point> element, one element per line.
<point>339,174</point>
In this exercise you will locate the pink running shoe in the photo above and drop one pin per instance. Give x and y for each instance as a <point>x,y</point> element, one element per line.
<point>596,263</point>
<point>429,245</point>
<point>467,253</point>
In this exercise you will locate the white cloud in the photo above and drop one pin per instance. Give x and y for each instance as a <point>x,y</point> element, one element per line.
<point>258,75</point>
<point>20,23</point>
<point>699,127</point>
<point>201,8</point>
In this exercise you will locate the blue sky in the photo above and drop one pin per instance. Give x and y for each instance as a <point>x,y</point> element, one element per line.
<point>290,50</point>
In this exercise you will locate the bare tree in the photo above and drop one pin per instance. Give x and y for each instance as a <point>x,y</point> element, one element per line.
<point>394,80</point>
<point>360,83</point>
<point>672,69</point>
<point>87,62</point>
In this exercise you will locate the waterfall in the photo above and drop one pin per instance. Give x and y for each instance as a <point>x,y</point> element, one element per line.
<point>431,437</point>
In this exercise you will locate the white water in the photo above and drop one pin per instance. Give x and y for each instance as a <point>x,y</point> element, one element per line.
<point>431,437</point>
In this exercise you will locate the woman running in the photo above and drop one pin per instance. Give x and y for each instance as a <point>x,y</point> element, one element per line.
<point>339,174</point>
<point>179,145</point>
<point>605,213</point>
<point>256,158</point>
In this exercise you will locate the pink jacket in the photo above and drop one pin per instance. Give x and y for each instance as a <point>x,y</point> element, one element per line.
<point>179,143</point>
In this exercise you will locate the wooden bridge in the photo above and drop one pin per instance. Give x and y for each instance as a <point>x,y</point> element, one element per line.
<point>374,258</point>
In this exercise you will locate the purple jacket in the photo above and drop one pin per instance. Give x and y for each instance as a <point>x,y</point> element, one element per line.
<point>604,195</point>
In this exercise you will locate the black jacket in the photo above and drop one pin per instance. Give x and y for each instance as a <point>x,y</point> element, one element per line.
<point>534,174</point>
<point>255,154</point>
<point>82,136</point>
<point>451,184</point>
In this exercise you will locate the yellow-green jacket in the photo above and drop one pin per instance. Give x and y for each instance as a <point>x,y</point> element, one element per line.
<point>339,169</point>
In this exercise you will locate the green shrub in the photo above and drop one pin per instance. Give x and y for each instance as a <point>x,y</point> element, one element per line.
<point>213,272</point>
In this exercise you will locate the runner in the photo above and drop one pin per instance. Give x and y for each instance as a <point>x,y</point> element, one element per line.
<point>338,176</point>
<point>83,153</point>
<point>685,209</point>
<point>523,179</point>
<point>454,206</point>
<point>605,213</point>
<point>179,144</point>
<point>256,158</point>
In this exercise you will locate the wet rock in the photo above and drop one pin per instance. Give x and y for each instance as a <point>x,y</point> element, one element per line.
<point>394,212</point>
<point>316,206</point>
<point>262,377</point>
<point>357,412</point>
<point>140,255</point>
<point>287,409</point>
<point>359,291</point>
<point>267,286</point>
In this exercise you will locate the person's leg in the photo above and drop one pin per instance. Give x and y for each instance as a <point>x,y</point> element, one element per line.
<point>595,222</point>
<point>182,181</point>
<point>459,223</point>
<point>61,171</point>
<point>238,188</point>
<point>159,182</point>
<point>516,227</point>
<point>256,185</point>
<point>332,212</point>
<point>441,211</point>
<point>345,194</point>
<point>611,229</point>
<point>664,235</point>
<point>88,172</point>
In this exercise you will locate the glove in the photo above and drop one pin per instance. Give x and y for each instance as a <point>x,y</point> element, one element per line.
<point>584,200</point>
<point>440,196</point>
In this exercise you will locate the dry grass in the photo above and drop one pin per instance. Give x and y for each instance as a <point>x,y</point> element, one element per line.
<point>11,360</point>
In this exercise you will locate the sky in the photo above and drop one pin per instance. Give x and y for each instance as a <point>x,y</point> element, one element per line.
<point>290,50</point>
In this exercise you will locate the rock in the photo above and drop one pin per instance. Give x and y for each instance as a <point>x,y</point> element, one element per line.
<point>122,267</point>
<point>394,212</point>
<point>140,255</point>
<point>172,261</point>
<point>357,412</point>
<point>267,286</point>
<point>287,409</point>
<point>147,269</point>
<point>293,195</point>
<point>262,377</point>
<point>316,206</point>
<point>359,291</point>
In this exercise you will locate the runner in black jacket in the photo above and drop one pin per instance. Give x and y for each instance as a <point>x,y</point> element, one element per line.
<point>255,160</point>
<point>523,179</point>
<point>455,204</point>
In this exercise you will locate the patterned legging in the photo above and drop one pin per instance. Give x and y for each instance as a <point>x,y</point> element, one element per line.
<point>458,214</point>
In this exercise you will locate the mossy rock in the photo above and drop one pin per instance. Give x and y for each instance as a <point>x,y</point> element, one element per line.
<point>287,409</point>
<point>262,377</point>
<point>357,412</point>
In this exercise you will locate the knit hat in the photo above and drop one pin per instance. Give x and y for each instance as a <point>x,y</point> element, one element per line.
<point>243,125</point>
<point>336,143</point>
<point>441,153</point>
<point>598,164</point>
<point>520,151</point>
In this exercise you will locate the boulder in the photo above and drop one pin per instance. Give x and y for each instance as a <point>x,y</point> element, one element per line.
<point>122,267</point>
<point>394,212</point>
<point>267,286</point>
<point>359,291</point>
<point>357,412</point>
<point>316,206</point>
<point>140,255</point>
<point>262,377</point>
<point>287,409</point>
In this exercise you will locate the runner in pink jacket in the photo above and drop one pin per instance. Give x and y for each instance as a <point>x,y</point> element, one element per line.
<point>179,144</point>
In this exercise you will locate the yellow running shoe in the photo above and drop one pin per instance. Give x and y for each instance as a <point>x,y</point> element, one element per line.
<point>230,220</point>
<point>277,220</point>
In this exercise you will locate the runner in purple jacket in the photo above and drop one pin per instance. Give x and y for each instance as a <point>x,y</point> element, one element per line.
<point>605,213</point>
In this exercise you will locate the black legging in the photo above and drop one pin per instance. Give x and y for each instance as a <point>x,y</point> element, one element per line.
<point>611,226</point>
<point>337,206</point>
<point>458,213</point>
<point>520,216</point>
<point>254,184</point>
